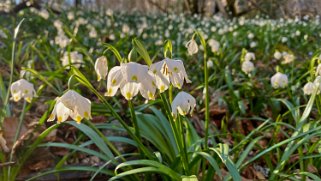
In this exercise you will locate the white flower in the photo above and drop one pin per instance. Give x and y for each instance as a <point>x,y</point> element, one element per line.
<point>309,88</point>
<point>288,58</point>
<point>169,71</point>
<point>192,47</point>
<point>44,13</point>
<point>250,35</point>
<point>62,40</point>
<point>249,56</point>
<point>247,67</point>
<point>253,44</point>
<point>279,80</point>
<point>125,28</point>
<point>209,64</point>
<point>58,25</point>
<point>130,78</point>
<point>101,68</point>
<point>22,89</point>
<point>75,58</point>
<point>71,104</point>
<point>93,33</point>
<point>215,45</point>
<point>70,16</point>
<point>277,55</point>
<point>183,104</point>
<point>284,39</point>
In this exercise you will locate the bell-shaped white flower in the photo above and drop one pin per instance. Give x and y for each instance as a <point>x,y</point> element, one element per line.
<point>309,88</point>
<point>22,89</point>
<point>277,55</point>
<point>279,80</point>
<point>114,80</point>
<point>215,45</point>
<point>192,47</point>
<point>75,58</point>
<point>131,78</point>
<point>167,71</point>
<point>183,104</point>
<point>247,67</point>
<point>101,68</point>
<point>249,56</point>
<point>288,58</point>
<point>71,104</point>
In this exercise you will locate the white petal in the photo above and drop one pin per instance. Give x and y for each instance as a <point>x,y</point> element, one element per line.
<point>62,112</point>
<point>129,90</point>
<point>114,79</point>
<point>101,68</point>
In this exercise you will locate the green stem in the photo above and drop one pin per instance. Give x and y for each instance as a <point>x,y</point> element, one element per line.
<point>134,119</point>
<point>207,112</point>
<point>17,134</point>
<point>178,139</point>
<point>184,147</point>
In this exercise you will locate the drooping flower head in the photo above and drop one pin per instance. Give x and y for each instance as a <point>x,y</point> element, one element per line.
<point>75,58</point>
<point>192,47</point>
<point>169,71</point>
<point>101,68</point>
<point>131,78</point>
<point>279,80</point>
<point>309,88</point>
<point>22,89</point>
<point>71,104</point>
<point>247,67</point>
<point>183,104</point>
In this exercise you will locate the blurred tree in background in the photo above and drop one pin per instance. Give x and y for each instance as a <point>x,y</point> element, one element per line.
<point>226,8</point>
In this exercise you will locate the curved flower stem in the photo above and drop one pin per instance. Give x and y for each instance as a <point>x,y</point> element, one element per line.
<point>134,119</point>
<point>177,137</point>
<point>17,134</point>
<point>207,113</point>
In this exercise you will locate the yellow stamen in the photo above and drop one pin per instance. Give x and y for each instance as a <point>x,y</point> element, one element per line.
<point>86,115</point>
<point>59,119</point>
<point>134,78</point>
<point>78,119</point>
<point>128,95</point>
<point>114,81</point>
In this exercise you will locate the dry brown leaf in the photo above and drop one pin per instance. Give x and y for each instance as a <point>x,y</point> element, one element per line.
<point>10,126</point>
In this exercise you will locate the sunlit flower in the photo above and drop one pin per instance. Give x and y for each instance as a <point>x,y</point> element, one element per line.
<point>209,64</point>
<point>125,28</point>
<point>44,13</point>
<point>215,45</point>
<point>309,88</point>
<point>131,78</point>
<point>169,71</point>
<point>101,68</point>
<point>93,33</point>
<point>250,35</point>
<point>277,55</point>
<point>62,40</point>
<point>75,58</point>
<point>249,56</point>
<point>279,80</point>
<point>71,104</point>
<point>288,58</point>
<point>22,89</point>
<point>247,67</point>
<point>183,104</point>
<point>70,16</point>
<point>192,47</point>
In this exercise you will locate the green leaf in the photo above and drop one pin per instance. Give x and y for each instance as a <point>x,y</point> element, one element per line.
<point>189,178</point>
<point>153,166</point>
<point>99,142</point>
<point>115,52</point>
<point>139,47</point>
